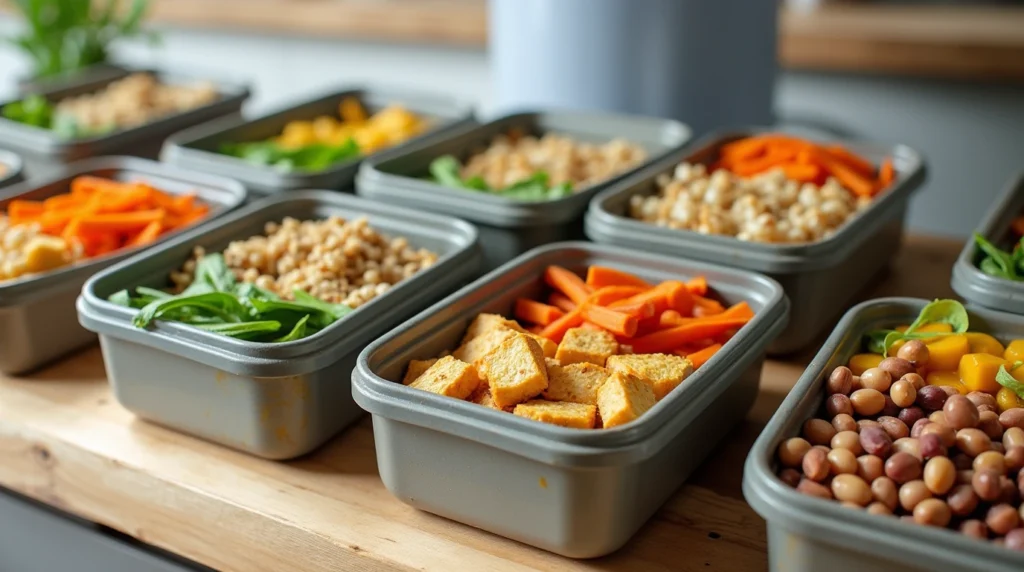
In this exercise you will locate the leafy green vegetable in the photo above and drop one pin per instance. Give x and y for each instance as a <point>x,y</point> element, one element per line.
<point>216,302</point>
<point>446,170</point>
<point>999,263</point>
<point>1004,379</point>
<point>937,312</point>
<point>36,111</point>
<point>315,157</point>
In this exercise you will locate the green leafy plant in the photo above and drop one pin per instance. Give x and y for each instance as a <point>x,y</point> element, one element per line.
<point>1006,380</point>
<point>537,187</point>
<point>315,157</point>
<point>998,262</point>
<point>938,312</point>
<point>67,35</point>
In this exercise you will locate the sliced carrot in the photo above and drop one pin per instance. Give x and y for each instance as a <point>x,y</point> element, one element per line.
<point>887,174</point>
<point>670,319</point>
<point>706,306</point>
<point>534,312</point>
<point>120,222</point>
<point>665,340</point>
<point>862,166</point>
<point>744,149</point>
<point>567,283</point>
<point>21,211</point>
<point>617,323</point>
<point>611,294</point>
<point>698,285</point>
<point>739,310</point>
<point>556,330</point>
<point>641,311</point>
<point>773,158</point>
<point>147,235</point>
<point>561,301</point>
<point>701,357</point>
<point>601,276</point>
<point>802,173</point>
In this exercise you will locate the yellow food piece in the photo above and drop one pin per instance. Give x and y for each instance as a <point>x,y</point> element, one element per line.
<point>947,378</point>
<point>863,362</point>
<point>1007,399</point>
<point>978,371</point>
<point>945,353</point>
<point>389,126</point>
<point>1014,351</point>
<point>936,328</point>
<point>984,344</point>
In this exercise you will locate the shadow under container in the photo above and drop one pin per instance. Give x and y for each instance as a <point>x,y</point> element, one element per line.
<point>809,534</point>
<point>44,151</point>
<point>579,493</point>
<point>509,227</point>
<point>198,148</point>
<point>821,278</point>
<point>38,322</point>
<point>10,168</point>
<point>273,400</point>
<point>968,280</point>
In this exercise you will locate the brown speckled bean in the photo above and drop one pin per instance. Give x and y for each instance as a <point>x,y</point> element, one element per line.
<point>847,440</point>
<point>1013,437</point>
<point>912,493</point>
<point>962,500</point>
<point>979,398</point>
<point>945,432</point>
<point>838,403</point>
<point>918,427</point>
<point>988,422</point>
<point>1002,518</point>
<point>1014,458</point>
<point>1012,418</point>
<point>867,402</point>
<point>875,441</point>
<point>885,491</point>
<point>990,461</point>
<point>896,367</point>
<point>844,422</point>
<point>790,476</point>
<point>818,431</point>
<point>915,352</point>
<point>870,467</point>
<point>908,445</point>
<point>931,446</point>
<point>815,465</point>
<point>851,488</point>
<point>986,485</point>
<point>932,512</point>
<point>1015,539</point>
<point>911,415</point>
<point>879,509</point>
<point>876,378</point>
<point>939,475</point>
<point>903,393</point>
<point>903,467</point>
<point>841,381</point>
<point>931,398</point>
<point>842,461</point>
<point>894,427</point>
<point>974,528</point>
<point>972,442</point>
<point>960,412</point>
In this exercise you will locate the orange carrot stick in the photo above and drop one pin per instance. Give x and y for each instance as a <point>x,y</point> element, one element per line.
<point>615,322</point>
<point>670,319</point>
<point>21,211</point>
<point>706,307</point>
<point>561,301</point>
<point>556,330</point>
<point>601,276</point>
<point>698,285</point>
<point>567,283</point>
<point>119,222</point>
<point>641,311</point>
<point>886,175</point>
<point>665,340</point>
<point>802,173</point>
<point>611,294</point>
<point>852,160</point>
<point>147,235</point>
<point>534,312</point>
<point>701,357</point>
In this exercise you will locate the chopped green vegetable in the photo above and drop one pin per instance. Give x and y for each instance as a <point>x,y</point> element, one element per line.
<point>1006,380</point>
<point>36,111</point>
<point>997,262</point>
<point>216,302</point>
<point>315,157</point>
<point>446,170</point>
<point>937,312</point>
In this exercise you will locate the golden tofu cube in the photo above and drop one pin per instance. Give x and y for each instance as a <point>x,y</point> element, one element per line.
<point>663,372</point>
<point>574,415</point>
<point>416,368</point>
<point>484,323</point>
<point>586,345</point>
<point>476,348</point>
<point>575,383</point>
<point>623,398</point>
<point>514,371</point>
<point>547,346</point>
<point>449,377</point>
<point>482,396</point>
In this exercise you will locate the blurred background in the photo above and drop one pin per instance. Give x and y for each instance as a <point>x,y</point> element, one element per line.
<point>945,77</point>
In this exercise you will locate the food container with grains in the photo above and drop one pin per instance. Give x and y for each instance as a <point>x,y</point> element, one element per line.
<point>57,232</point>
<point>108,115</point>
<point>985,274</point>
<point>823,219</point>
<point>10,168</point>
<point>245,332</point>
<point>318,143</point>
<point>910,420</point>
<point>524,179</point>
<point>664,355</point>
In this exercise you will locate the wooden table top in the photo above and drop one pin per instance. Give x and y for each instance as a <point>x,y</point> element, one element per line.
<point>66,442</point>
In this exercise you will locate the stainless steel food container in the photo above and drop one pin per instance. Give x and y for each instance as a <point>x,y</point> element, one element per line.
<point>197,148</point>
<point>272,400</point>
<point>44,152</point>
<point>968,280</point>
<point>808,534</point>
<point>578,493</point>
<point>37,313</point>
<point>821,278</point>
<point>10,168</point>
<point>509,227</point>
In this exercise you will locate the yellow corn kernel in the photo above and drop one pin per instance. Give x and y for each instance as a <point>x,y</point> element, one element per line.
<point>863,362</point>
<point>947,378</point>
<point>978,372</point>
<point>1014,351</point>
<point>1007,399</point>
<point>944,353</point>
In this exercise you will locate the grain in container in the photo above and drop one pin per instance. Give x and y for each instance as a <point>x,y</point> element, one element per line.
<point>273,400</point>
<point>579,493</point>
<point>10,168</point>
<point>37,313</point>
<point>509,227</point>
<point>44,150</point>
<point>968,280</point>
<point>810,534</point>
<point>199,148</point>
<point>821,278</point>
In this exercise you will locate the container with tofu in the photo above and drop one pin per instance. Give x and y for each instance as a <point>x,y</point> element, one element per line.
<point>561,408</point>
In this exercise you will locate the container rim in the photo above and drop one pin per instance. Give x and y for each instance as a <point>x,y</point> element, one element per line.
<point>109,316</point>
<point>774,500</point>
<point>14,165</point>
<point>565,445</point>
<point>33,282</point>
<point>789,257</point>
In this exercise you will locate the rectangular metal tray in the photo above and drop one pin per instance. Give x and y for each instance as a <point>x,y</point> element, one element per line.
<point>821,278</point>
<point>43,151</point>
<point>37,313</point>
<point>197,148</point>
<point>272,400</point>
<point>11,163</point>
<point>968,280</point>
<point>578,493</point>
<point>509,227</point>
<point>808,534</point>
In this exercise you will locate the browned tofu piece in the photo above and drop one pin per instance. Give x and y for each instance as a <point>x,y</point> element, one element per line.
<point>575,383</point>
<point>484,323</point>
<point>586,345</point>
<point>514,371</point>
<point>575,415</point>
<point>623,398</point>
<point>664,372</point>
<point>547,346</point>
<point>416,369</point>
<point>482,396</point>
<point>450,377</point>
<point>476,348</point>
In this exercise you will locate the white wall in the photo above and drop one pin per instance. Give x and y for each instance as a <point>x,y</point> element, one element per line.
<point>971,135</point>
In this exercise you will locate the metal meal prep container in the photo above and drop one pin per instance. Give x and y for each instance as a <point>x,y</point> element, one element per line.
<point>43,151</point>
<point>197,148</point>
<point>10,168</point>
<point>968,280</point>
<point>37,313</point>
<point>810,534</point>
<point>276,401</point>
<point>821,278</point>
<point>578,493</point>
<point>509,227</point>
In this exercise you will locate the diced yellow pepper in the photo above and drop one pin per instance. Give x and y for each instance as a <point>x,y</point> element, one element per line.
<point>863,362</point>
<point>978,372</point>
<point>1007,399</point>
<point>947,378</point>
<point>297,134</point>
<point>1014,351</point>
<point>984,344</point>
<point>351,110</point>
<point>937,328</point>
<point>944,353</point>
